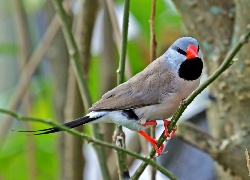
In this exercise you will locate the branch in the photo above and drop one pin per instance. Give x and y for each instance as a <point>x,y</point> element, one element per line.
<point>73,53</point>
<point>153,46</point>
<point>24,46</point>
<point>121,68</point>
<point>198,138</point>
<point>153,43</point>
<point>225,65</point>
<point>89,139</point>
<point>248,161</point>
<point>119,136</point>
<point>117,34</point>
<point>79,73</point>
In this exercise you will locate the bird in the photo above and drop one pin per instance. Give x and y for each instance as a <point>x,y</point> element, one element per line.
<point>152,95</point>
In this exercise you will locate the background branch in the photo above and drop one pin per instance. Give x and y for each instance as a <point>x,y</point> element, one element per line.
<point>24,47</point>
<point>74,54</point>
<point>153,43</point>
<point>153,46</point>
<point>117,35</point>
<point>83,21</point>
<point>119,135</point>
<point>27,72</point>
<point>197,137</point>
<point>217,149</point>
<point>79,72</point>
<point>121,68</point>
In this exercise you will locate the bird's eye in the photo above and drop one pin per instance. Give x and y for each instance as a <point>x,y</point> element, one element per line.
<point>179,50</point>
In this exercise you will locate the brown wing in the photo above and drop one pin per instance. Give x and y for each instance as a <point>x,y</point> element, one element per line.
<point>144,89</point>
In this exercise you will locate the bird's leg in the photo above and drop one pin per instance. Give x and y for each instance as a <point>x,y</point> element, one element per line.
<point>152,141</point>
<point>150,123</point>
<point>166,133</point>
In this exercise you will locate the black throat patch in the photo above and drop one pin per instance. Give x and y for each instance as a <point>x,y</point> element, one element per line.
<point>191,69</point>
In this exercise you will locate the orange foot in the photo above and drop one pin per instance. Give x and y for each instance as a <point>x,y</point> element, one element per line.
<point>158,150</point>
<point>166,133</point>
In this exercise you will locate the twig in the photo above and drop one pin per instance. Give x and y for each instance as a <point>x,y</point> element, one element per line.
<point>119,134</point>
<point>89,139</point>
<point>225,65</point>
<point>119,141</point>
<point>121,68</point>
<point>195,136</point>
<point>79,72</point>
<point>23,54</point>
<point>28,71</point>
<point>22,32</point>
<point>153,46</point>
<point>153,43</point>
<point>117,35</point>
<point>248,161</point>
<point>73,53</point>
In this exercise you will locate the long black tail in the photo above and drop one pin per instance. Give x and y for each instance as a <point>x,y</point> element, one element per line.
<point>72,124</point>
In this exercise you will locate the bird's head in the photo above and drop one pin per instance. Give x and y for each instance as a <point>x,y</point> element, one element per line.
<point>185,56</point>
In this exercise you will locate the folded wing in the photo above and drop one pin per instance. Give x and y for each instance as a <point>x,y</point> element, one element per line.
<point>144,89</point>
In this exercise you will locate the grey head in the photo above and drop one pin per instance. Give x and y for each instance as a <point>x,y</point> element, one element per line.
<point>185,57</point>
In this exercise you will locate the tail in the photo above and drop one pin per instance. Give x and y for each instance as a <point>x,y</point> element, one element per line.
<point>72,124</point>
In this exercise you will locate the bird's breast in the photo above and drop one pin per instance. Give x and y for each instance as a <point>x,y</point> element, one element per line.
<point>169,101</point>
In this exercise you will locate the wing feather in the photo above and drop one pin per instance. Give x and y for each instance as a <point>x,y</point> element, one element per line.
<point>143,89</point>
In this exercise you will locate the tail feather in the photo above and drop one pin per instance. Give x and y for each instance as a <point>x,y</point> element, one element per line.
<point>72,124</point>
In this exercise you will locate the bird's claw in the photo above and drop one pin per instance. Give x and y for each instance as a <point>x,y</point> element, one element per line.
<point>166,133</point>
<point>158,150</point>
<point>170,135</point>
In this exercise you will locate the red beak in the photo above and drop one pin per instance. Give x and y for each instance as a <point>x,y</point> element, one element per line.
<point>192,52</point>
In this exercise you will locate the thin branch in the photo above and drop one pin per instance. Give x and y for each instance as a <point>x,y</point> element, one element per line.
<point>153,43</point>
<point>224,66</point>
<point>248,161</point>
<point>79,74</point>
<point>89,139</point>
<point>119,135</point>
<point>82,27</point>
<point>121,68</point>
<point>153,46</point>
<point>73,53</point>
<point>22,31</point>
<point>119,141</point>
<point>198,138</point>
<point>117,34</point>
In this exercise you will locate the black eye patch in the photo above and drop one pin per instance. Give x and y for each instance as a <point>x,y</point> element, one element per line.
<point>179,50</point>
